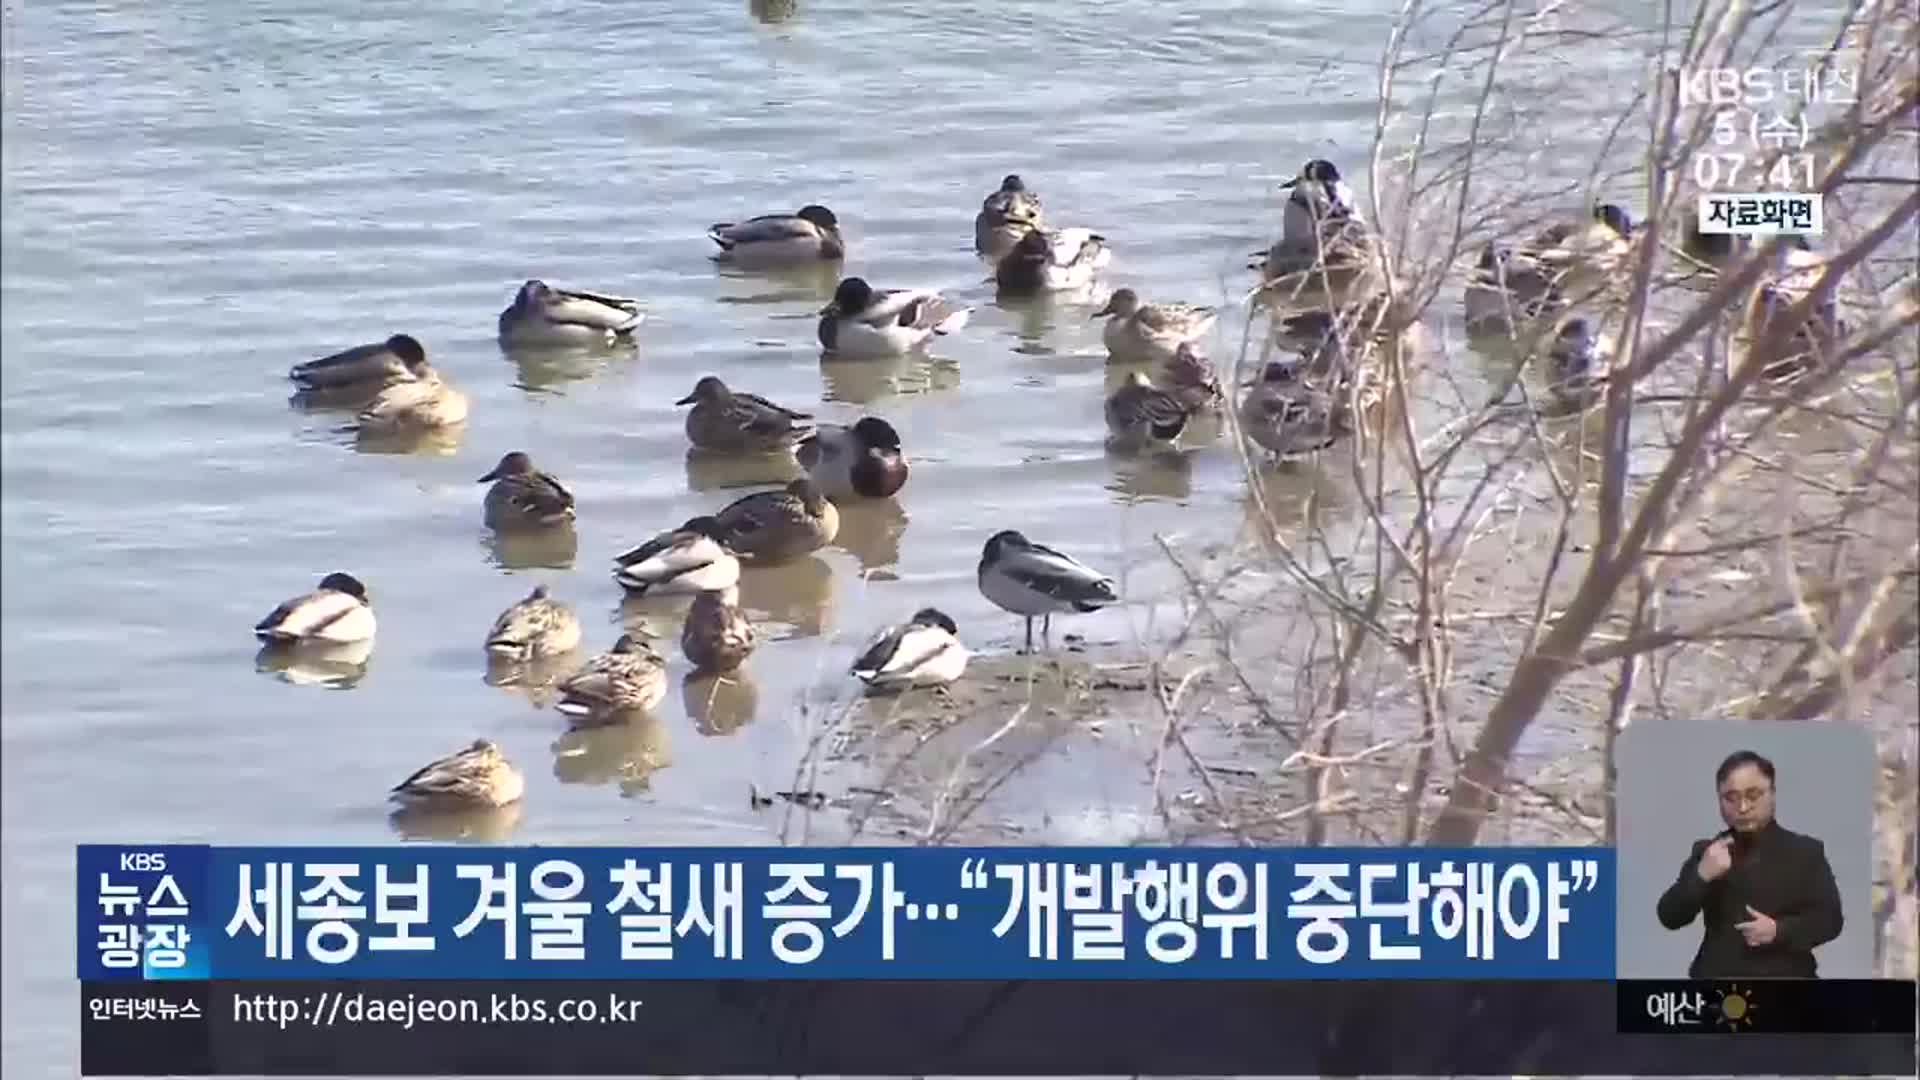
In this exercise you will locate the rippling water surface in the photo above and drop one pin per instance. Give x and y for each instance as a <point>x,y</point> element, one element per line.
<point>198,196</point>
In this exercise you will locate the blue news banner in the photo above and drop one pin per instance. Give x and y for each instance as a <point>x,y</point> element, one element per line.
<point>419,960</point>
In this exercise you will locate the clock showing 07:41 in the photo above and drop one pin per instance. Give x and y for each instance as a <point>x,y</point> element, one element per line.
<point>1746,172</point>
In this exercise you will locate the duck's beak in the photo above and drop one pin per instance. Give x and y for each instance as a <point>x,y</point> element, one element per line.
<point>1108,310</point>
<point>1291,183</point>
<point>493,474</point>
<point>688,400</point>
<point>831,309</point>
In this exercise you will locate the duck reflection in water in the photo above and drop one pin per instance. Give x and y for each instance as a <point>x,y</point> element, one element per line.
<point>434,441</point>
<point>553,548</point>
<point>772,11</point>
<point>627,754</point>
<point>1151,473</point>
<point>535,680</point>
<point>338,666</point>
<point>870,531</point>
<point>548,368</point>
<point>1282,497</point>
<point>471,825</point>
<point>711,471</point>
<point>797,593</point>
<point>720,704</point>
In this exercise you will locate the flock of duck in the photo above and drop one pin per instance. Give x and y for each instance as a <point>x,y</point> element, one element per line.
<point>1322,277</point>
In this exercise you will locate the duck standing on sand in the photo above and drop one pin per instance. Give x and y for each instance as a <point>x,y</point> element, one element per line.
<point>523,497</point>
<point>862,323</point>
<point>542,316</point>
<point>1005,216</point>
<point>337,612</point>
<point>363,367</point>
<point>1143,333</point>
<point>692,558</point>
<point>629,678</point>
<point>478,776</point>
<point>1052,260</point>
<point>718,637</point>
<point>1032,581</point>
<point>809,235</point>
<point>862,461</point>
<point>922,652</point>
<point>776,526</point>
<point>538,626</point>
<point>729,421</point>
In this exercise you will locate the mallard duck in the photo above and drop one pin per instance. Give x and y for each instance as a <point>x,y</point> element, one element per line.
<point>1006,216</point>
<point>1140,412</point>
<point>480,775</point>
<point>811,234</point>
<point>425,401</point>
<point>1793,349</point>
<point>1592,246</point>
<point>925,651</point>
<point>629,678</point>
<point>1321,230</point>
<point>862,322</point>
<point>335,612</point>
<point>1508,288</point>
<point>1287,415</point>
<point>691,558</point>
<point>1189,376</point>
<point>863,460</point>
<point>718,636</point>
<point>523,496</point>
<point>774,526</point>
<point>1150,333</point>
<point>1029,580</point>
<point>728,421</point>
<point>368,366</point>
<point>1577,363</point>
<point>1052,260</point>
<point>542,315</point>
<point>537,626</point>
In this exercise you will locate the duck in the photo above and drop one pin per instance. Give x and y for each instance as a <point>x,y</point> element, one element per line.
<point>1509,288</point>
<point>1806,346</point>
<point>478,776</point>
<point>1137,332</point>
<point>523,496</point>
<point>717,636</point>
<point>363,366</point>
<point>1140,413</point>
<point>775,526</point>
<point>810,234</point>
<point>542,315</point>
<point>1577,361</point>
<point>1030,580</point>
<point>1052,260</point>
<point>1190,377</point>
<point>423,402</point>
<point>692,558</point>
<point>538,626</point>
<point>336,612</point>
<point>626,679</point>
<point>864,323</point>
<point>728,421</point>
<point>1287,415</point>
<point>862,461</point>
<point>1596,245</point>
<point>924,652</point>
<point>1320,228</point>
<point>1005,216</point>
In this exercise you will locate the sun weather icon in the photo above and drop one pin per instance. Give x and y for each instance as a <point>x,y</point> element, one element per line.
<point>1736,1008</point>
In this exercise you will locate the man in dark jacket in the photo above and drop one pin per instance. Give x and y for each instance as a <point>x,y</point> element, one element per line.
<point>1766,893</point>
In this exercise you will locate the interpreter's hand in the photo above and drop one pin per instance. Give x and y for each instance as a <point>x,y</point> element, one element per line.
<point>1717,859</point>
<point>1758,929</point>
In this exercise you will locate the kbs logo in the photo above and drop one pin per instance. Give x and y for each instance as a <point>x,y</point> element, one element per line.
<point>143,861</point>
